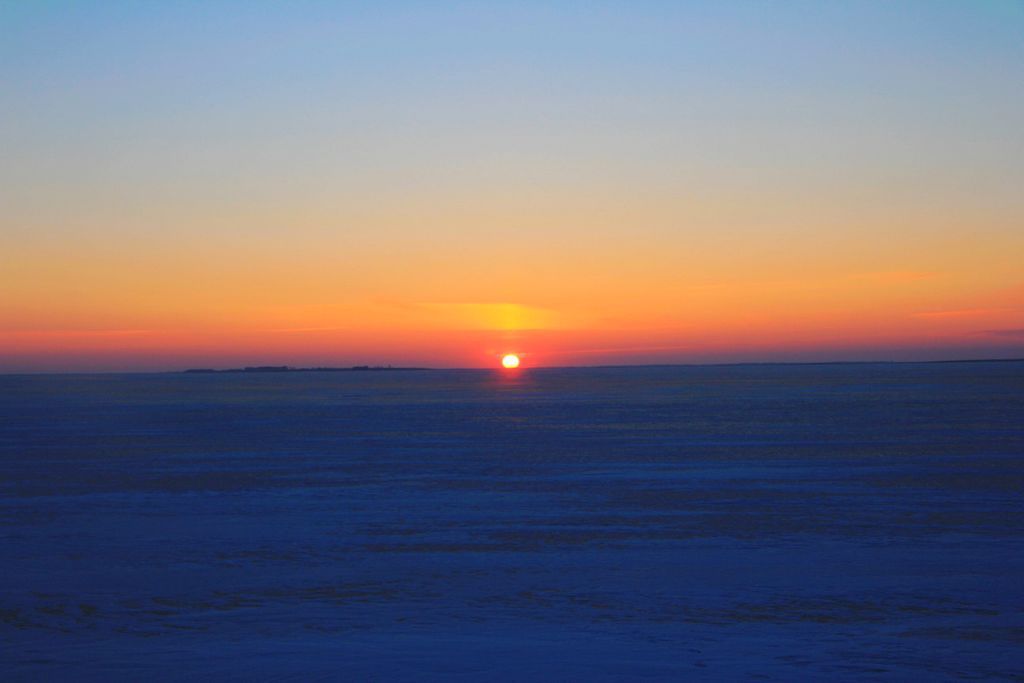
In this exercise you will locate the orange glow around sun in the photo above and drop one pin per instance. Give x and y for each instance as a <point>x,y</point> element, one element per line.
<point>510,361</point>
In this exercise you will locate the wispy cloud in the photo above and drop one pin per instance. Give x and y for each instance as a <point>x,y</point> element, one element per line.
<point>965,313</point>
<point>622,349</point>
<point>299,330</point>
<point>74,333</point>
<point>1015,332</point>
<point>895,276</point>
<point>874,279</point>
<point>499,316</point>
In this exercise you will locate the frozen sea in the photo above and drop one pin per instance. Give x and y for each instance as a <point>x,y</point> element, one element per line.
<point>763,522</point>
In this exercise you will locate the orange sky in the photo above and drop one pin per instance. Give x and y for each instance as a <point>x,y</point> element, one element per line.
<point>701,184</point>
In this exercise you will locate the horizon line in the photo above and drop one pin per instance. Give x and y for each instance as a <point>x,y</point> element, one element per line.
<point>290,368</point>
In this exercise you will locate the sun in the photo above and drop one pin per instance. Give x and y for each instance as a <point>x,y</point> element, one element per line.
<point>510,361</point>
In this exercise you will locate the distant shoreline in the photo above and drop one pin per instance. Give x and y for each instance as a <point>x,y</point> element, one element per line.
<point>385,368</point>
<point>800,362</point>
<point>286,368</point>
<point>378,368</point>
<point>272,369</point>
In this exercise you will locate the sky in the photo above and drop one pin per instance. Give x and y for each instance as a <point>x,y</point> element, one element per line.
<point>193,184</point>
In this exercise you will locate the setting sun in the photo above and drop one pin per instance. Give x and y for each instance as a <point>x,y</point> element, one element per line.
<point>510,361</point>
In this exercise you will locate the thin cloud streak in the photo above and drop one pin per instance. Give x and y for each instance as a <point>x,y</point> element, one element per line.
<point>1012,332</point>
